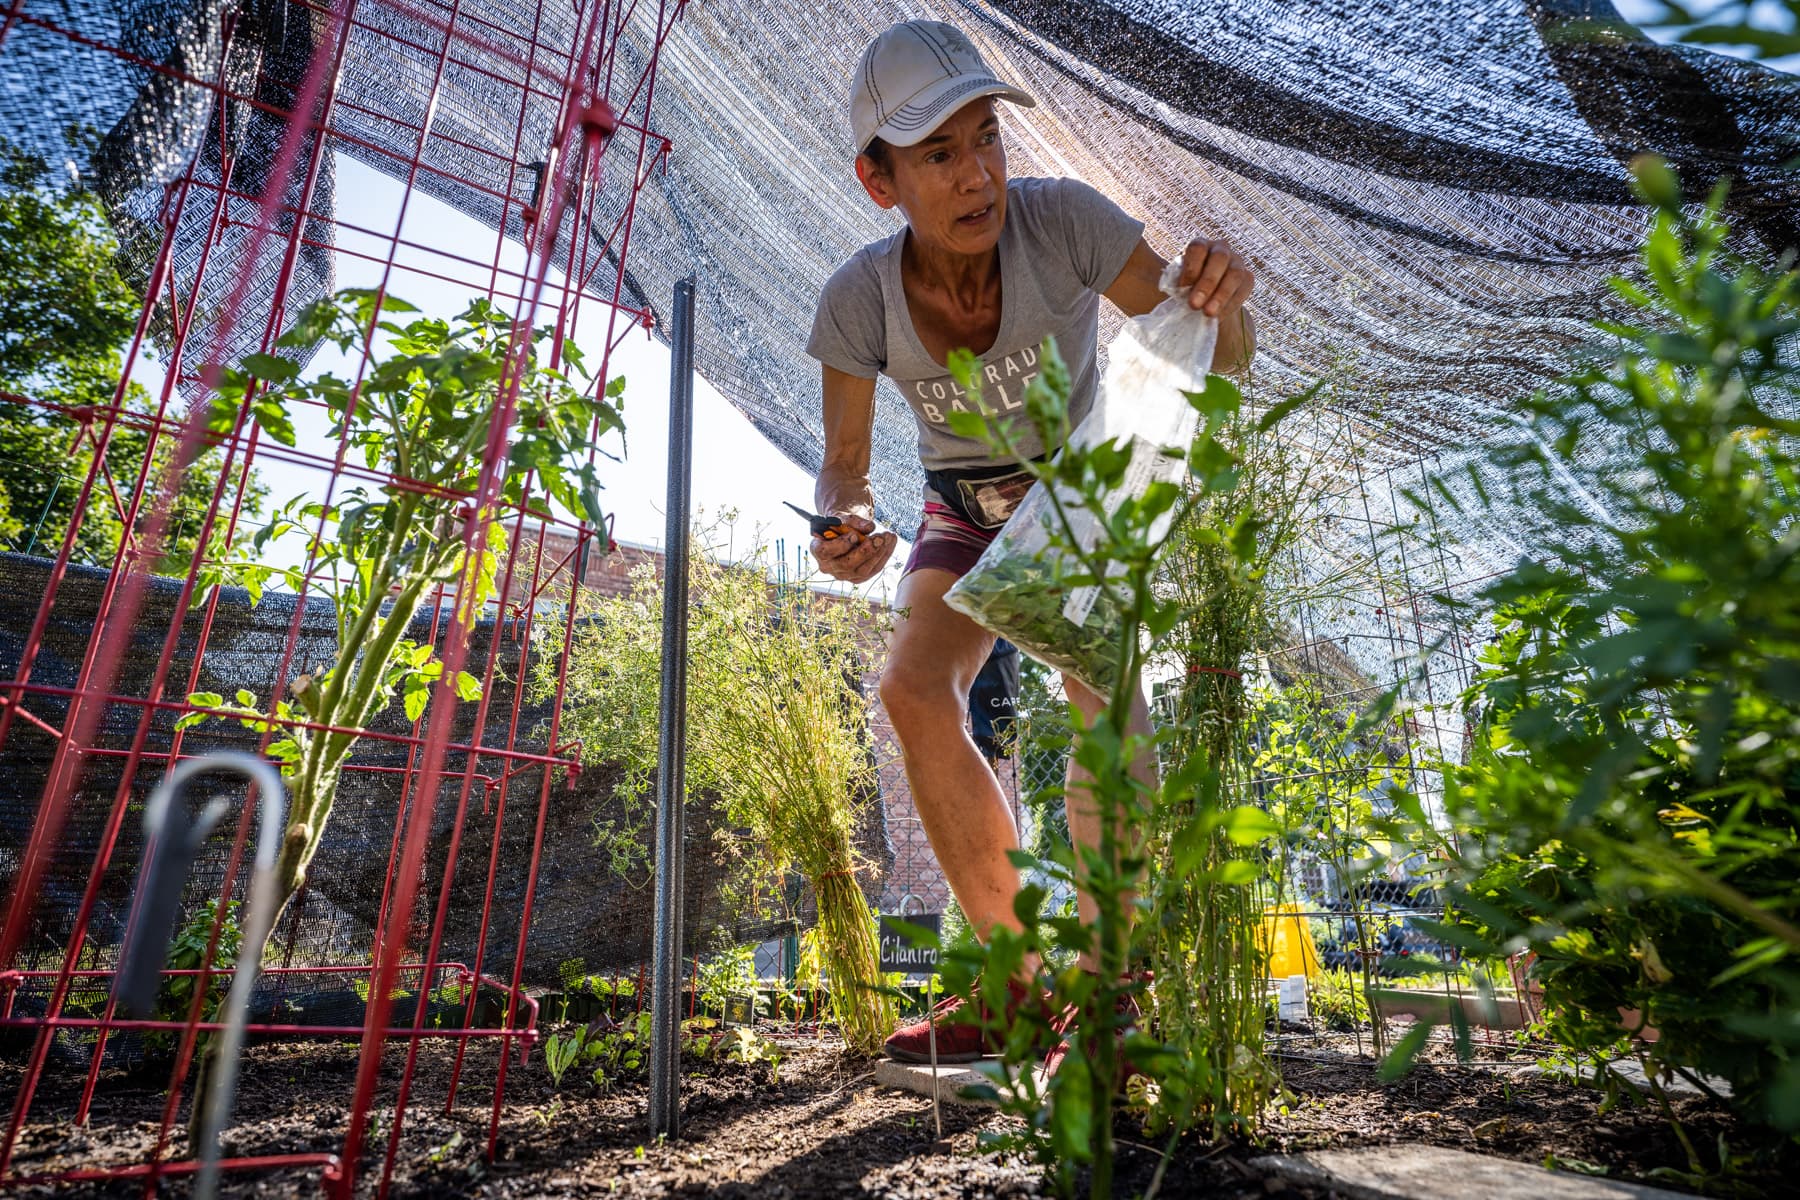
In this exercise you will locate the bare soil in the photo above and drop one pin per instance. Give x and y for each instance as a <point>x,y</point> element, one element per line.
<point>818,1126</point>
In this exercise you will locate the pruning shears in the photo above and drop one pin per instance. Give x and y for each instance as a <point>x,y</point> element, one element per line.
<point>827,528</point>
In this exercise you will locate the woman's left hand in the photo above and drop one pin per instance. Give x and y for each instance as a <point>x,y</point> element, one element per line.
<point>1216,276</point>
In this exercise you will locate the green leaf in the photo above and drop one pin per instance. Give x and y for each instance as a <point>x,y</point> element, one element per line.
<point>417,695</point>
<point>1456,935</point>
<point>222,414</point>
<point>1279,411</point>
<point>1022,860</point>
<point>981,1093</point>
<point>919,935</point>
<point>246,698</point>
<point>271,368</point>
<point>1769,43</point>
<point>1026,903</point>
<point>1218,400</point>
<point>269,413</point>
<point>467,686</point>
<point>591,510</point>
<point>968,425</point>
<point>965,369</point>
<point>1400,1059</point>
<point>1072,1111</point>
<point>206,700</point>
<point>1752,957</point>
<point>1247,825</point>
<point>1656,182</point>
<point>1236,872</point>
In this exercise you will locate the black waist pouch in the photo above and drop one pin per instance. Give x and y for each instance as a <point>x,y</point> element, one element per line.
<point>983,496</point>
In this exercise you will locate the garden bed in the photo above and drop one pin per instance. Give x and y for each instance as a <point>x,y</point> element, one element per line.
<point>819,1126</point>
<point>1441,1006</point>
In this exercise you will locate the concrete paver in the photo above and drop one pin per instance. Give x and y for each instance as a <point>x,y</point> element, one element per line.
<point>1439,1173</point>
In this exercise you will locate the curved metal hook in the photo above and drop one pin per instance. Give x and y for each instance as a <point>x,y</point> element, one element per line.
<point>167,860</point>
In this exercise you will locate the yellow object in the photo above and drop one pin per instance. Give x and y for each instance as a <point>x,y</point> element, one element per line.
<point>1287,939</point>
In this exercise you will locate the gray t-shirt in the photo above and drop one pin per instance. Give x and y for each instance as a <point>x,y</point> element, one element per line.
<point>1061,244</point>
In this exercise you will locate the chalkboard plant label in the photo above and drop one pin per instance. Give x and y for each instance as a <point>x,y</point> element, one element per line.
<point>910,944</point>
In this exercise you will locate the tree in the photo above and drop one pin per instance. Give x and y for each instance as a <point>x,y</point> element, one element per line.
<point>65,313</point>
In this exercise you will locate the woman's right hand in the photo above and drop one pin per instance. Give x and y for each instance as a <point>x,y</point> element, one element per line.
<point>855,557</point>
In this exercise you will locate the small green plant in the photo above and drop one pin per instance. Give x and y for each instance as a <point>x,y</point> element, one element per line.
<point>725,974</point>
<point>174,999</point>
<point>701,1038</point>
<point>1339,1000</point>
<point>742,1045</point>
<point>438,1155</point>
<point>561,1051</point>
<point>616,1051</point>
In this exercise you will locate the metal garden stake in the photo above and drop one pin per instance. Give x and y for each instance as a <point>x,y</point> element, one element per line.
<point>171,847</point>
<point>665,987</point>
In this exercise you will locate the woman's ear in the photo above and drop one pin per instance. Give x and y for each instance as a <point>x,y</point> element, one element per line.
<point>876,181</point>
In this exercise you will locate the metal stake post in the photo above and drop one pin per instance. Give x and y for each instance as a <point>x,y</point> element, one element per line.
<point>665,984</point>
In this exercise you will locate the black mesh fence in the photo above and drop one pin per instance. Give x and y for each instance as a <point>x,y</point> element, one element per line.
<point>583,910</point>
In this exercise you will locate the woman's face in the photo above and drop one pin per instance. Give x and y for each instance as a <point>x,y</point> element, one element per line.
<point>951,187</point>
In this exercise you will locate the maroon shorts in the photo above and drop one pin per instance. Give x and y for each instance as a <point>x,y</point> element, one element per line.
<point>946,542</point>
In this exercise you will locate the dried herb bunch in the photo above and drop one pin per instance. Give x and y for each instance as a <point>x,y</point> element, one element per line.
<point>777,729</point>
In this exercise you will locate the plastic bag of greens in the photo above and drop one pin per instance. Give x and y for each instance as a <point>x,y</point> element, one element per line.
<point>1019,587</point>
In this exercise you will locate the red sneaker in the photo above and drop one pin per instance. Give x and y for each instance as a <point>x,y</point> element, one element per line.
<point>960,1038</point>
<point>1128,1008</point>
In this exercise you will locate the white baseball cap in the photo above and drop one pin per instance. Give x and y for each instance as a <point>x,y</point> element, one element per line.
<point>915,75</point>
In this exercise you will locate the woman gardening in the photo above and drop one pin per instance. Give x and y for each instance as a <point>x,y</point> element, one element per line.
<point>993,265</point>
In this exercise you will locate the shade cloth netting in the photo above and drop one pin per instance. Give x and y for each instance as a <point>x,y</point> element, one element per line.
<point>1432,194</point>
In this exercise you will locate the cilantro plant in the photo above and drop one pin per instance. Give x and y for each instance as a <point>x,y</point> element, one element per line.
<point>421,418</point>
